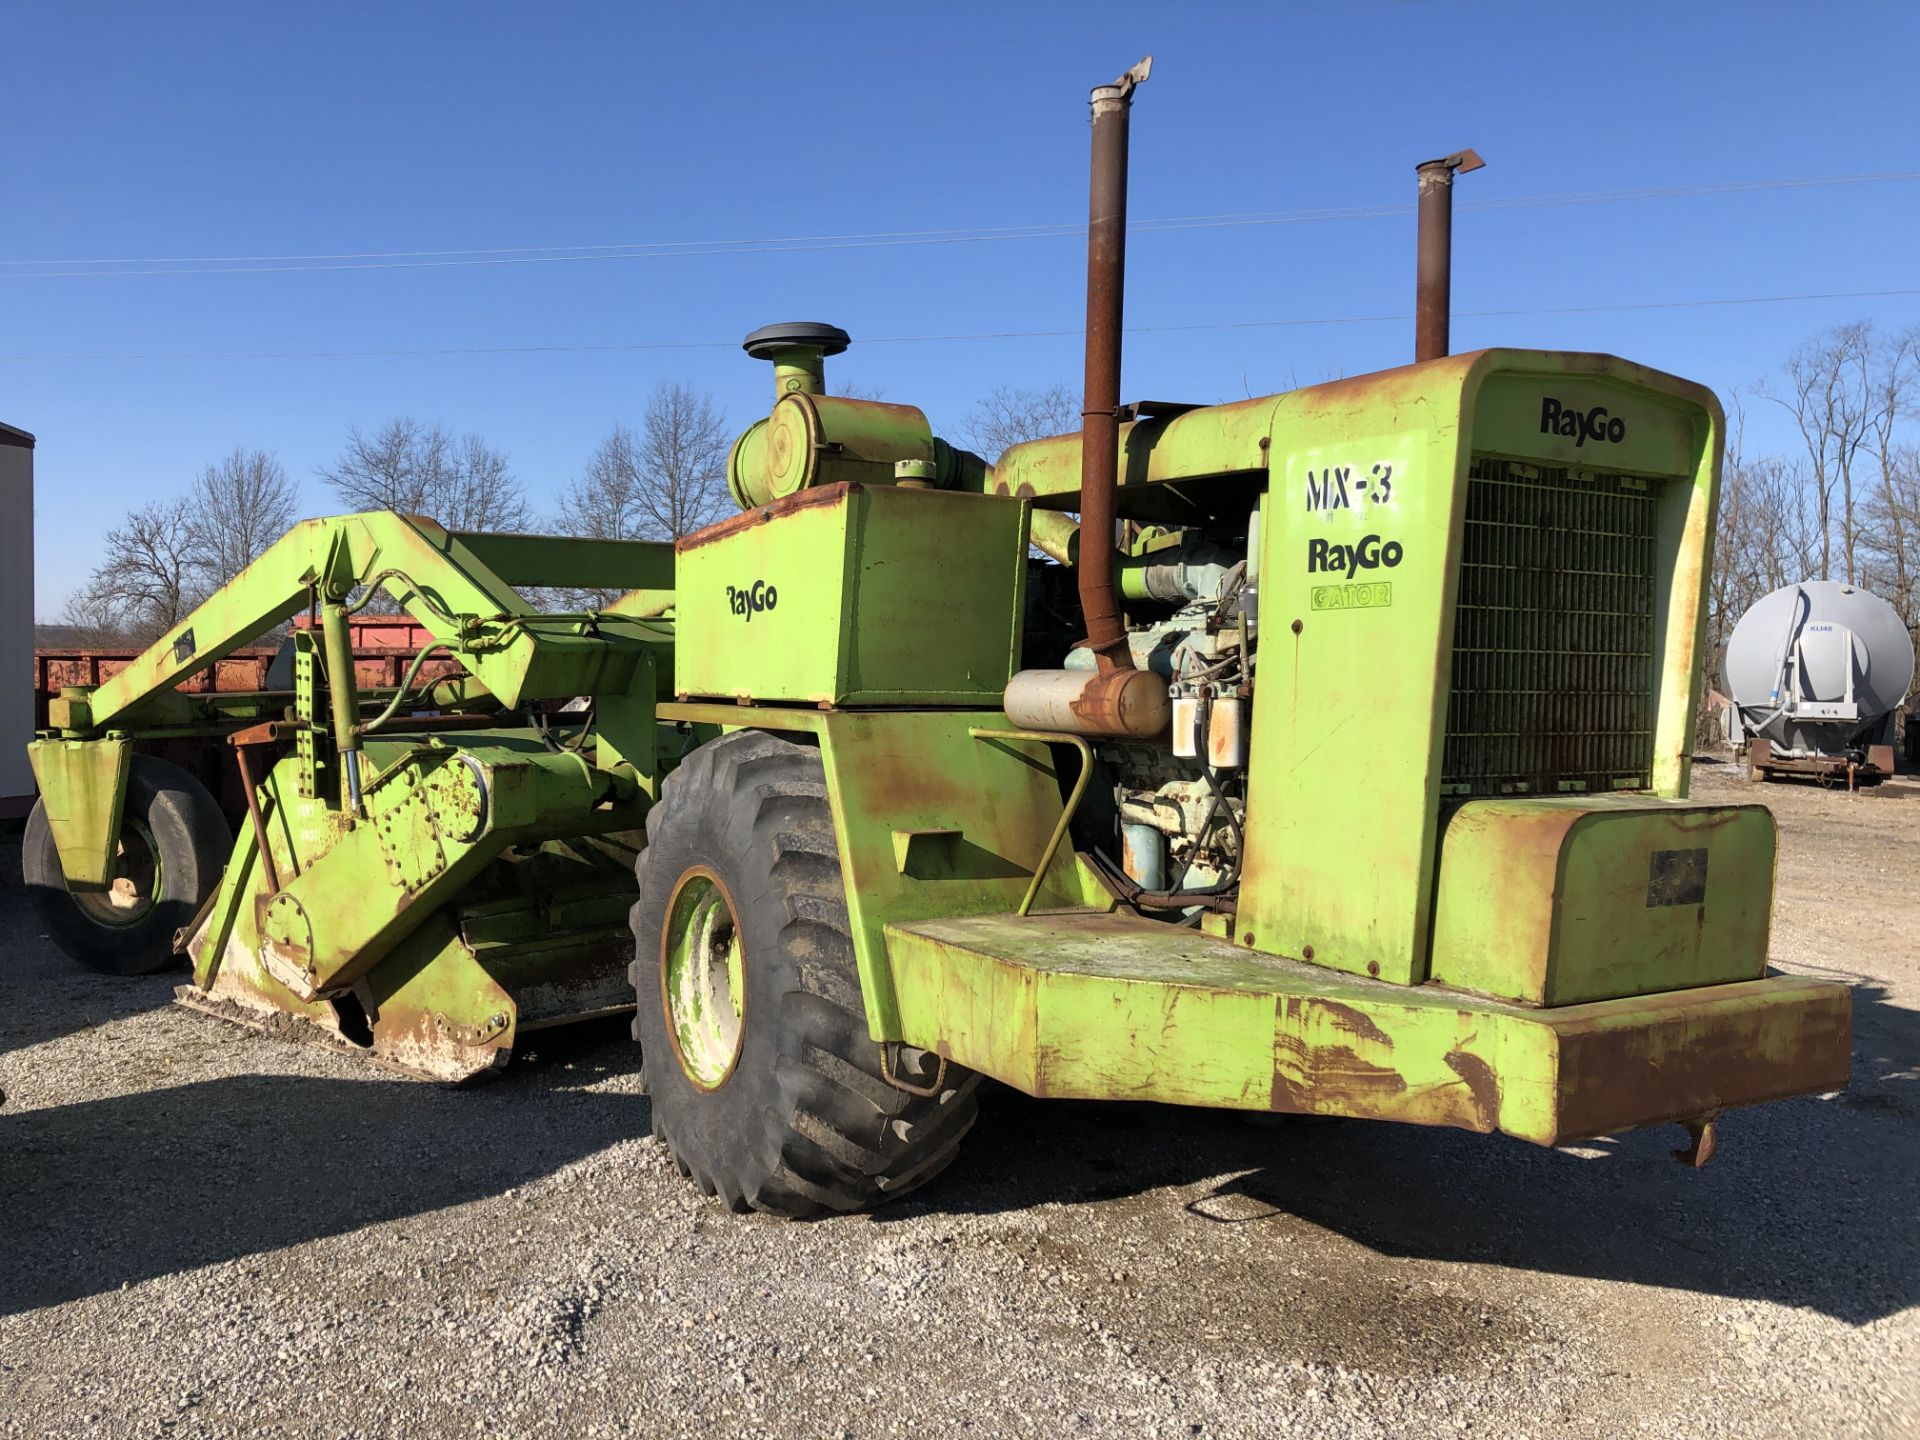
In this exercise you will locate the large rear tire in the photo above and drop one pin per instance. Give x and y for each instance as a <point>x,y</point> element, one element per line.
<point>766,1086</point>
<point>168,858</point>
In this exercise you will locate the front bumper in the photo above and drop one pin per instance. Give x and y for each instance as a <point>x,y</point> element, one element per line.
<point>1615,1064</point>
<point>1097,1006</point>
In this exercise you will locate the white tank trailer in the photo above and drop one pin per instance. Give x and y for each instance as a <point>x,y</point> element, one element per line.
<point>1816,672</point>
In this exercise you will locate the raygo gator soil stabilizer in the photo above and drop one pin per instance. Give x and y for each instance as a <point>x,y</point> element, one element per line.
<point>1334,759</point>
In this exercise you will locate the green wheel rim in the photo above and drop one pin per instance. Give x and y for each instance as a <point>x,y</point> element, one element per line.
<point>703,979</point>
<point>137,882</point>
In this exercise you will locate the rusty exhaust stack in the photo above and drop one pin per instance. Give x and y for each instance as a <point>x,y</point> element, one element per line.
<point>1433,306</point>
<point>1100,409</point>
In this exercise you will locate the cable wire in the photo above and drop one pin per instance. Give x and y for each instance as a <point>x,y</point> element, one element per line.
<point>352,260</point>
<point>640,346</point>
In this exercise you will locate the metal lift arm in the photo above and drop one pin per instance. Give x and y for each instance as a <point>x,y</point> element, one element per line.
<point>459,587</point>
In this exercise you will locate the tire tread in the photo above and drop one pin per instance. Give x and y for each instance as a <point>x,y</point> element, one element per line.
<point>842,1138</point>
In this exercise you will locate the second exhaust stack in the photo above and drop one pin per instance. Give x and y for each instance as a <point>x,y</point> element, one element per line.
<point>1433,301</point>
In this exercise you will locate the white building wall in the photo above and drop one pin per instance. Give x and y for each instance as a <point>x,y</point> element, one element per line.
<point>16,617</point>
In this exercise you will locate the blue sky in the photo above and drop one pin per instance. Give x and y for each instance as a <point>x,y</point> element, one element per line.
<point>160,131</point>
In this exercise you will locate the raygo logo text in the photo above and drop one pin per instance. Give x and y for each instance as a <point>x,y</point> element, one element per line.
<point>1332,558</point>
<point>1581,426</point>
<point>750,601</point>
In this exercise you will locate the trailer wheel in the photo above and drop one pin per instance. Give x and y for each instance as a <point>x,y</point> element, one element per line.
<point>172,846</point>
<point>766,1086</point>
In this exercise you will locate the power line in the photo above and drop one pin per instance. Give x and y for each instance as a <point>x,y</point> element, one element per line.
<point>1299,321</point>
<point>859,240</point>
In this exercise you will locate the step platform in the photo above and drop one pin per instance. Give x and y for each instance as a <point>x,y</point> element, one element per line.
<point>1092,1005</point>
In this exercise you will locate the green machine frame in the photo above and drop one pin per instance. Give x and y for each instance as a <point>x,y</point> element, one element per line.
<point>1407,944</point>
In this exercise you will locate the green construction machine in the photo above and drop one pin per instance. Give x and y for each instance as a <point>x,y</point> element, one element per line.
<point>1319,753</point>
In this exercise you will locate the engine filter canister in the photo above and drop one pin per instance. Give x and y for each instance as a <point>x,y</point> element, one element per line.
<point>1226,732</point>
<point>1186,727</point>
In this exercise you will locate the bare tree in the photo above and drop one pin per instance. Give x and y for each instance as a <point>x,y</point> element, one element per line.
<point>149,579</point>
<point>683,454</point>
<point>1769,531</point>
<point>1732,577</point>
<point>1789,537</point>
<point>1766,535</point>
<point>1829,399</point>
<point>1893,387</point>
<point>94,619</point>
<point>1008,416</point>
<point>662,482</point>
<point>238,507</point>
<point>1892,516</point>
<point>665,481</point>
<point>604,503</point>
<point>478,491</point>
<point>463,483</point>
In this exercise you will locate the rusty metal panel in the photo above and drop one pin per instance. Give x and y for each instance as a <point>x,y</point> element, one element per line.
<point>1364,492</point>
<point>931,819</point>
<point>472,900</point>
<point>383,645</point>
<point>1361,542</point>
<point>1103,1006</point>
<point>432,1011</point>
<point>237,673</point>
<point>854,595</point>
<point>1562,901</point>
<point>1110,1006</point>
<point>1671,1057</point>
<point>373,634</point>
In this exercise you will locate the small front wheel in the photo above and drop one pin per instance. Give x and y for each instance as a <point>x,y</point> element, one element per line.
<point>172,845</point>
<point>765,1083</point>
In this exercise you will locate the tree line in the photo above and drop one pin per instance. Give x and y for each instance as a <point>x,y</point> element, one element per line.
<point>1842,504</point>
<point>658,480</point>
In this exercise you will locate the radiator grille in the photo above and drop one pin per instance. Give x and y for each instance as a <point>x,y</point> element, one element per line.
<point>1553,636</point>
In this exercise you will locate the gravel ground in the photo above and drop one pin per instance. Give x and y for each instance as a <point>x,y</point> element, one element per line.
<point>209,1232</point>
